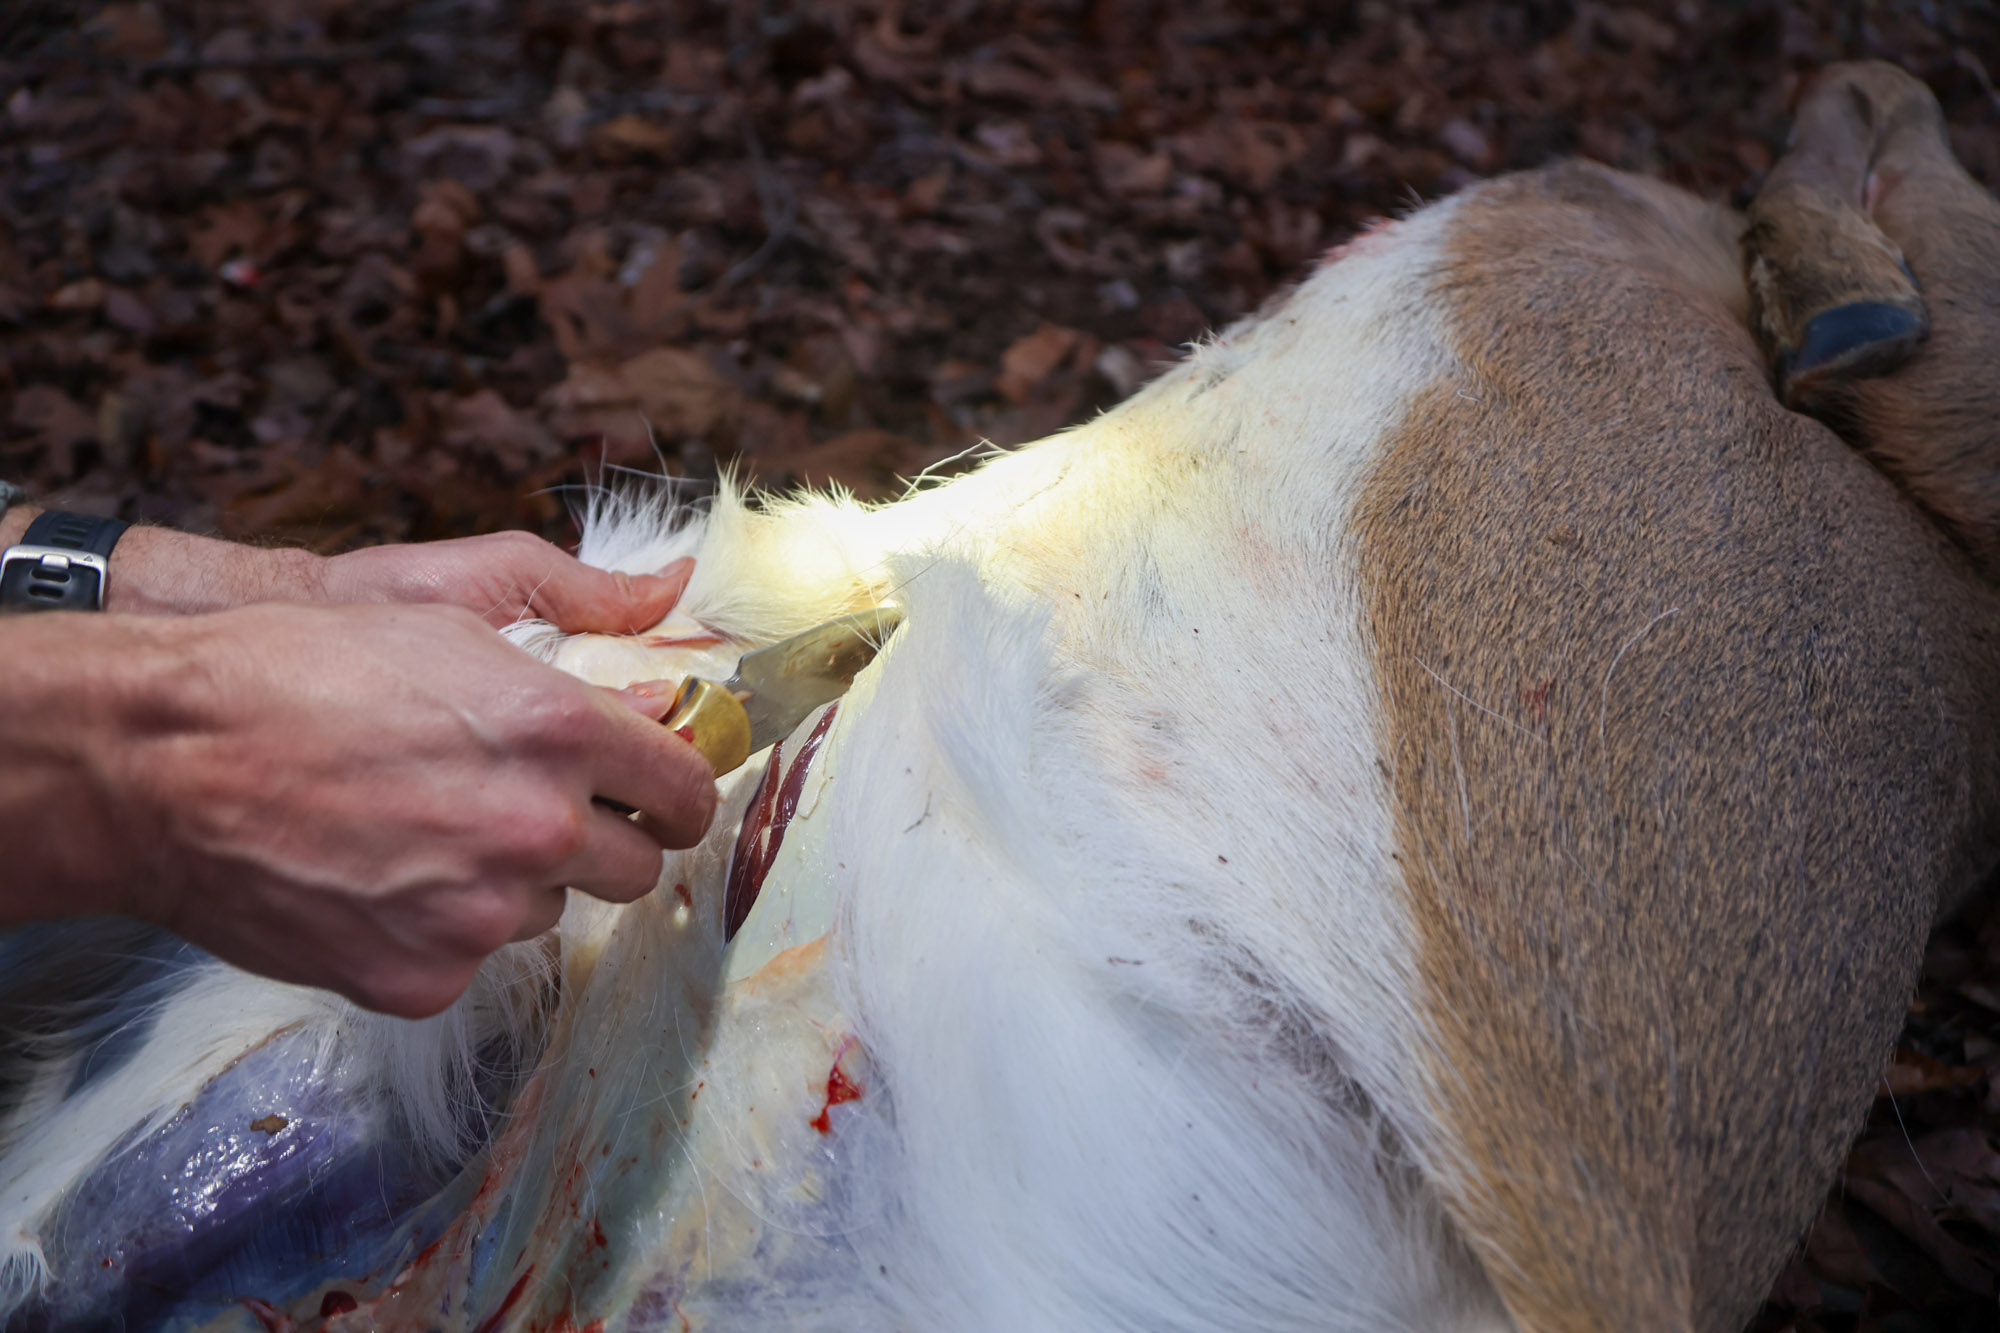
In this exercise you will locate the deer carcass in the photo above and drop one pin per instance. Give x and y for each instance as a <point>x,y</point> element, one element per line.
<point>1425,817</point>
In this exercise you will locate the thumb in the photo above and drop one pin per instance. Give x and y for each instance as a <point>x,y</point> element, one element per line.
<point>579,599</point>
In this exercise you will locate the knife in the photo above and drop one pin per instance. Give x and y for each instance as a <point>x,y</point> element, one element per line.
<point>774,688</point>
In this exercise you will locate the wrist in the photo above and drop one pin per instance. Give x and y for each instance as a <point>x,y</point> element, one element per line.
<point>157,571</point>
<point>14,523</point>
<point>378,574</point>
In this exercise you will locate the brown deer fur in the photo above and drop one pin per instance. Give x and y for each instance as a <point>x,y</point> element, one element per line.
<point>1690,719</point>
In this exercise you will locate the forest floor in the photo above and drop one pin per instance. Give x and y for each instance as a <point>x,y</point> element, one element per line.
<point>343,271</point>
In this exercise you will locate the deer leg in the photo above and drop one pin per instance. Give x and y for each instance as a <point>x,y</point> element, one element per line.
<point>1835,299</point>
<point>1875,262</point>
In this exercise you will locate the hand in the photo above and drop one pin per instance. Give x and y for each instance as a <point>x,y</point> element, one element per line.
<point>504,577</point>
<point>369,799</point>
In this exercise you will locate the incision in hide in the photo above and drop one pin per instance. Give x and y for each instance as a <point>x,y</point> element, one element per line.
<point>765,822</point>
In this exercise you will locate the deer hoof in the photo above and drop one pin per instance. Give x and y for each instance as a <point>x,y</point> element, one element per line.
<point>1857,340</point>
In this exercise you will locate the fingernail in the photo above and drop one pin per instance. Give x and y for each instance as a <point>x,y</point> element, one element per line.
<point>667,585</point>
<point>651,699</point>
<point>676,573</point>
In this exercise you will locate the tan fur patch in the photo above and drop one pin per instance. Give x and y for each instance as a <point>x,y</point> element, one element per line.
<point>1677,696</point>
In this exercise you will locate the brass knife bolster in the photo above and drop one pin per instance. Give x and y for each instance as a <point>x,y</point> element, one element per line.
<point>707,716</point>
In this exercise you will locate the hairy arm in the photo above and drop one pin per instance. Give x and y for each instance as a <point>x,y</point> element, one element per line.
<point>500,577</point>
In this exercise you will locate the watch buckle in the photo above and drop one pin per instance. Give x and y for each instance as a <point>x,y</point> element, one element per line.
<point>52,570</point>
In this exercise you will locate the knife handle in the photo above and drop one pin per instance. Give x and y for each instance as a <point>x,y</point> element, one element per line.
<point>708,717</point>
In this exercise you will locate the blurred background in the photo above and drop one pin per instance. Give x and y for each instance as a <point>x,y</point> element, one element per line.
<point>342,271</point>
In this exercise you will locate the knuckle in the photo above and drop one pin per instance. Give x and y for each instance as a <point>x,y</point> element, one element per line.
<point>628,881</point>
<point>481,930</point>
<point>459,924</point>
<point>558,714</point>
<point>691,806</point>
<point>527,557</point>
<point>515,541</point>
<point>549,836</point>
<point>705,799</point>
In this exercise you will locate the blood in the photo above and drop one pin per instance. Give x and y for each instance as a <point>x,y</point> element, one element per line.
<point>839,1088</point>
<point>336,1302</point>
<point>493,1321</point>
<point>764,824</point>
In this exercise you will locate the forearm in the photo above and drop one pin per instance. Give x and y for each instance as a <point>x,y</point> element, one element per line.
<point>157,571</point>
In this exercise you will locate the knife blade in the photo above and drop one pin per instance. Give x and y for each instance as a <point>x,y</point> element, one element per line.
<point>774,688</point>
<point>790,678</point>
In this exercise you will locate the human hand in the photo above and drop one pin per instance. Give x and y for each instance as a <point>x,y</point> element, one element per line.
<point>503,577</point>
<point>369,799</point>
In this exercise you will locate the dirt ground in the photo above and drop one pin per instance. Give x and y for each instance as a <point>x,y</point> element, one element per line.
<point>343,271</point>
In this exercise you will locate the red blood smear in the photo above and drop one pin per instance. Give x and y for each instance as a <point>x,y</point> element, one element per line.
<point>492,1322</point>
<point>597,1234</point>
<point>764,824</point>
<point>839,1088</point>
<point>335,1302</point>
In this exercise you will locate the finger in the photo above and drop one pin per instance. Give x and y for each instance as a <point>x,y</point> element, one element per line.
<point>544,910</point>
<point>642,764</point>
<point>579,599</point>
<point>652,700</point>
<point>618,863</point>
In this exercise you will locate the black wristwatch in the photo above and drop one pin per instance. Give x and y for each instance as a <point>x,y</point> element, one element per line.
<point>62,564</point>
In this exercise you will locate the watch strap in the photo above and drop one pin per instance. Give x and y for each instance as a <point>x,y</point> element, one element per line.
<point>74,532</point>
<point>61,564</point>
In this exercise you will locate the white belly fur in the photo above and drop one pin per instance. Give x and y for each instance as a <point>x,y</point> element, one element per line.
<point>1107,806</point>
